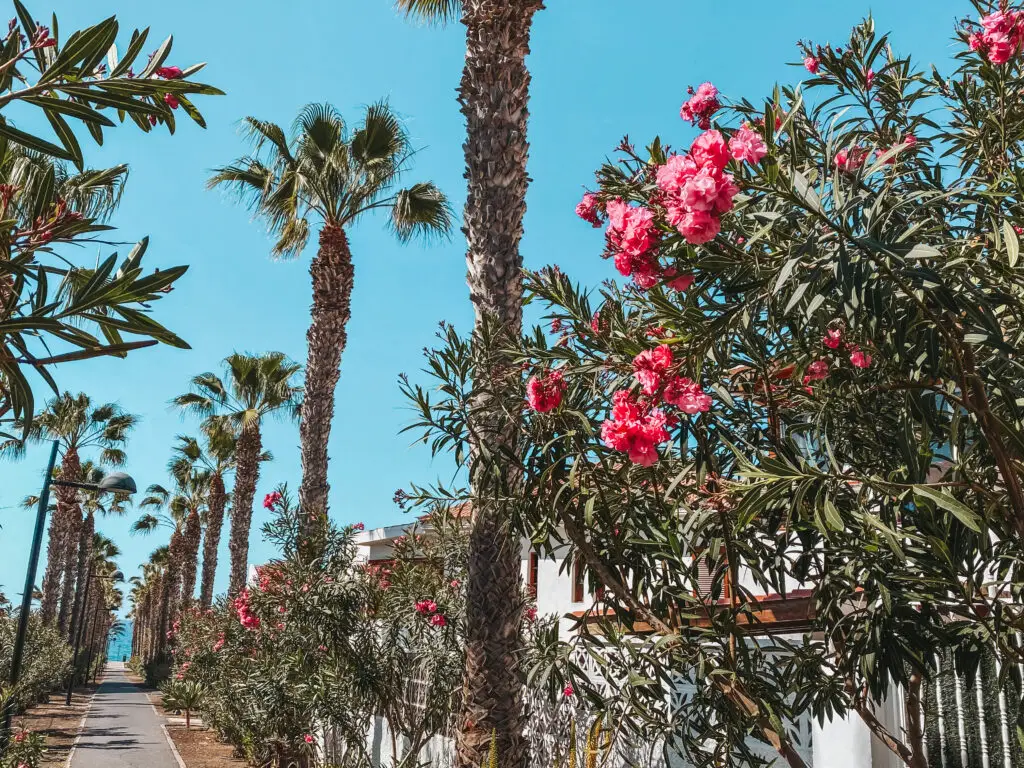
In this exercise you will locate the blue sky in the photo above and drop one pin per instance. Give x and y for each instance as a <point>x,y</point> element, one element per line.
<point>601,69</point>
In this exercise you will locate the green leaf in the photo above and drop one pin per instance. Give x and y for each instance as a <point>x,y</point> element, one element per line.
<point>82,46</point>
<point>33,142</point>
<point>67,138</point>
<point>944,500</point>
<point>70,108</point>
<point>1012,243</point>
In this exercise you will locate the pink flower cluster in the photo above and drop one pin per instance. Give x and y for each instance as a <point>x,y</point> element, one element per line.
<point>849,160</point>
<point>246,617</point>
<point>587,209</point>
<point>1001,36</point>
<point>544,392</point>
<point>170,73</point>
<point>428,610</point>
<point>634,428</point>
<point>833,339</point>
<point>220,643</point>
<point>271,499</point>
<point>703,103</point>
<point>632,235</point>
<point>653,369</point>
<point>697,189</point>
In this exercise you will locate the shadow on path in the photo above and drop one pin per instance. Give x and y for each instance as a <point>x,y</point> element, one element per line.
<point>122,729</point>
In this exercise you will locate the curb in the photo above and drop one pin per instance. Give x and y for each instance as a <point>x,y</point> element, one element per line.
<point>81,729</point>
<point>174,749</point>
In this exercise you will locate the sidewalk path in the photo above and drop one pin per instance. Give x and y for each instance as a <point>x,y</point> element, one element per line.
<point>122,730</point>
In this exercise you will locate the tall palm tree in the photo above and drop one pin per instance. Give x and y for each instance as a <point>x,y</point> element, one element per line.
<point>79,427</point>
<point>93,503</point>
<point>255,387</point>
<point>494,95</point>
<point>330,175</point>
<point>181,510</point>
<point>216,456</point>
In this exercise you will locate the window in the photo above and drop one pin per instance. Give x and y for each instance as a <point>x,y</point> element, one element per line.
<point>578,579</point>
<point>531,575</point>
<point>708,574</point>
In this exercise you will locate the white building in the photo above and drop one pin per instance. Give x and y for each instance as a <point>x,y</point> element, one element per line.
<point>560,589</point>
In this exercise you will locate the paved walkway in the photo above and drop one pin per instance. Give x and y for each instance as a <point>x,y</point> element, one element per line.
<point>122,730</point>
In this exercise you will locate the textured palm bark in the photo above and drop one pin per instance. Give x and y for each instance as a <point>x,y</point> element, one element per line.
<point>332,272</point>
<point>493,94</point>
<point>172,583</point>
<point>67,592</point>
<point>84,557</point>
<point>57,544</point>
<point>211,539</point>
<point>247,473</point>
<point>191,538</point>
<point>164,618</point>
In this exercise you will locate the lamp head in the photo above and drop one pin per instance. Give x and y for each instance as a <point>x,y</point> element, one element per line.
<point>117,482</point>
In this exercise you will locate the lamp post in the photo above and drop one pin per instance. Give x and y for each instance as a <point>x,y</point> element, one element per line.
<point>115,482</point>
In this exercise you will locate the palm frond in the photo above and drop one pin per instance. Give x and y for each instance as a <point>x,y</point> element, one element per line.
<point>422,210</point>
<point>432,11</point>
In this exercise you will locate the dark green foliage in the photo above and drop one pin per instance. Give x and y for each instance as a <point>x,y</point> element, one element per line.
<point>53,311</point>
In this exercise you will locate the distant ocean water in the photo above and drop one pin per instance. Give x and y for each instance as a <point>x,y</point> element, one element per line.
<point>120,644</point>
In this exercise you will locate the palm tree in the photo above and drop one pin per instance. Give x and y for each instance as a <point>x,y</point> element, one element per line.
<point>326,173</point>
<point>255,387</point>
<point>78,426</point>
<point>181,510</point>
<point>217,460</point>
<point>494,95</point>
<point>93,503</point>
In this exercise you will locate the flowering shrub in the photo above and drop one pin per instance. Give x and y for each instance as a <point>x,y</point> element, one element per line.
<point>25,750</point>
<point>46,660</point>
<point>830,403</point>
<point>329,643</point>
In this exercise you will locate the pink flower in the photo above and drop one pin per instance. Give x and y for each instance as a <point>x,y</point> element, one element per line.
<point>630,229</point>
<point>850,160</point>
<point>859,358</point>
<point>531,613</point>
<point>634,429</point>
<point>910,140</point>
<point>748,146</point>
<point>171,100</point>
<point>833,338</point>
<point>425,607</point>
<point>677,282</point>
<point>170,73</point>
<point>587,209</point>
<point>1002,36</point>
<point>710,149</point>
<point>675,172</point>
<point>703,103</point>
<point>271,499</point>
<point>696,227</point>
<point>811,64</point>
<point>709,190</point>
<point>544,393</point>
<point>817,371</point>
<point>556,325</point>
<point>454,583</point>
<point>359,527</point>
<point>438,620</point>
<point>650,365</point>
<point>869,79</point>
<point>308,739</point>
<point>687,396</point>
<point>568,690</point>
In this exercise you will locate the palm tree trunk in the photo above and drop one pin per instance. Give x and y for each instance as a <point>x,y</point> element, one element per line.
<point>494,93</point>
<point>190,557</point>
<point>84,556</point>
<point>172,578</point>
<point>250,444</point>
<point>164,622</point>
<point>57,544</point>
<point>332,272</point>
<point>211,539</point>
<point>71,547</point>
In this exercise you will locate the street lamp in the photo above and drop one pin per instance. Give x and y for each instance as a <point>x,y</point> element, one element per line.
<point>115,482</point>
